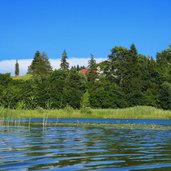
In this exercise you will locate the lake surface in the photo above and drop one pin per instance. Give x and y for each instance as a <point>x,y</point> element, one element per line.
<point>85,146</point>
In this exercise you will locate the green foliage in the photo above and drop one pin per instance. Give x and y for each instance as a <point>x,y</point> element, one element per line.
<point>136,74</point>
<point>40,66</point>
<point>5,79</point>
<point>92,67</point>
<point>138,112</point>
<point>164,56</point>
<point>23,77</point>
<point>55,88</point>
<point>74,89</point>
<point>86,110</point>
<point>92,63</point>
<point>127,79</point>
<point>64,64</point>
<point>21,105</point>
<point>133,50</point>
<point>85,102</point>
<point>68,109</point>
<point>165,96</point>
<point>49,104</point>
<point>164,64</point>
<point>17,69</point>
<point>103,94</point>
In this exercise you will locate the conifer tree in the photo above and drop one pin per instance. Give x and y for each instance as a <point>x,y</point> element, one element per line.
<point>133,49</point>
<point>46,64</point>
<point>92,75</point>
<point>17,68</point>
<point>40,65</point>
<point>33,68</point>
<point>92,63</point>
<point>64,64</point>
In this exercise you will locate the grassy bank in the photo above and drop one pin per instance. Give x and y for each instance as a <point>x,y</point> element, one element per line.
<point>25,77</point>
<point>138,112</point>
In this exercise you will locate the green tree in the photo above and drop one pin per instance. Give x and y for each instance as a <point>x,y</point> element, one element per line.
<point>92,67</point>
<point>133,49</point>
<point>5,80</point>
<point>117,67</point>
<point>104,94</point>
<point>164,64</point>
<point>56,87</point>
<point>64,64</point>
<point>75,87</point>
<point>92,63</point>
<point>164,56</point>
<point>132,71</point>
<point>165,96</point>
<point>40,66</point>
<point>34,67</point>
<point>17,71</point>
<point>85,102</point>
<point>45,62</point>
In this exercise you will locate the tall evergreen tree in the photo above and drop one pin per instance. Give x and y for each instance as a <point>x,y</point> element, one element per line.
<point>46,64</point>
<point>133,49</point>
<point>40,65</point>
<point>92,63</point>
<point>92,66</point>
<point>17,71</point>
<point>64,64</point>
<point>35,63</point>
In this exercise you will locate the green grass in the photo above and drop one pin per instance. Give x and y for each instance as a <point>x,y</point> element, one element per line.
<point>138,112</point>
<point>25,77</point>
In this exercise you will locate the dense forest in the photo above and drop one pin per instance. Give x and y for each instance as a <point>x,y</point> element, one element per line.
<point>125,79</point>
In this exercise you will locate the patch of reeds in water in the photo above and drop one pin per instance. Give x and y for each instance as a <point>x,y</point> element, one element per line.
<point>15,117</point>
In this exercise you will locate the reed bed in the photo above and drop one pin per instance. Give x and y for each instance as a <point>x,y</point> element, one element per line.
<point>19,117</point>
<point>138,112</point>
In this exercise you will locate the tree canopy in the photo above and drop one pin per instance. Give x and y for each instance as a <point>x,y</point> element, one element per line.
<point>126,79</point>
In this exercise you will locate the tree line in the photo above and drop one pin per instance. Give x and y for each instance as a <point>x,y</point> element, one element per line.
<point>125,79</point>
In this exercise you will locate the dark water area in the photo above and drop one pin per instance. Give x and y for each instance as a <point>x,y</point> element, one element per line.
<point>85,147</point>
<point>101,121</point>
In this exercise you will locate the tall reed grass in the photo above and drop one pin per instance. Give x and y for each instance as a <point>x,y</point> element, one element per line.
<point>17,117</point>
<point>138,112</point>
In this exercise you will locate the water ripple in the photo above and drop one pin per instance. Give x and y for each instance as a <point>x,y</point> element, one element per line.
<point>83,148</point>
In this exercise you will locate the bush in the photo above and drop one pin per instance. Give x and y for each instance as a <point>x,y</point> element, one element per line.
<point>69,109</point>
<point>86,110</point>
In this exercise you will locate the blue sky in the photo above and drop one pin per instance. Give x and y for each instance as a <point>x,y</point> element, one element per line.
<point>82,27</point>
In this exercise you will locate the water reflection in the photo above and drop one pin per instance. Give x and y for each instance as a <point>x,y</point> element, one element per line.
<point>83,148</point>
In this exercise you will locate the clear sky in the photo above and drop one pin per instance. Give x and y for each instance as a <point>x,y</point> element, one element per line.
<point>82,27</point>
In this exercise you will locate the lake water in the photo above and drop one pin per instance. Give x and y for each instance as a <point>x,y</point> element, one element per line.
<point>68,147</point>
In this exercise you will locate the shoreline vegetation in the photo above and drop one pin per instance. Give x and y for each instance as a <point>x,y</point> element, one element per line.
<point>137,112</point>
<point>108,89</point>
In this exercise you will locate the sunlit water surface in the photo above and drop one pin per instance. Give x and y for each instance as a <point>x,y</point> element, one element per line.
<point>84,147</point>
